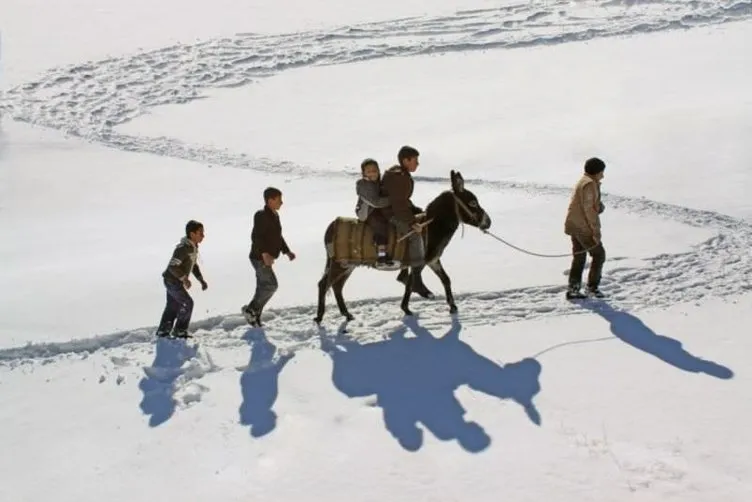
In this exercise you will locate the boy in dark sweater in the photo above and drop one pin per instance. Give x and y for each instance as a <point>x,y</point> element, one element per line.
<point>179,307</point>
<point>266,245</point>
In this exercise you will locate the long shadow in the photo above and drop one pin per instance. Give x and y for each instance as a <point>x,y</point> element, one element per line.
<point>259,384</point>
<point>158,386</point>
<point>631,330</point>
<point>414,380</point>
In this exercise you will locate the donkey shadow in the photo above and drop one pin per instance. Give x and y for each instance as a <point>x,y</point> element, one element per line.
<point>158,386</point>
<point>414,380</point>
<point>259,384</point>
<point>631,330</point>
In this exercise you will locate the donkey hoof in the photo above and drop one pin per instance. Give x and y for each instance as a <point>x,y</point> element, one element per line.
<point>317,320</point>
<point>408,312</point>
<point>348,317</point>
<point>453,309</point>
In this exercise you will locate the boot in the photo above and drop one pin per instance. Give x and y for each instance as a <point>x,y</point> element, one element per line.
<point>574,293</point>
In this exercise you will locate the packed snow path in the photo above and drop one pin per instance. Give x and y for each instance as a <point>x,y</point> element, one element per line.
<point>89,100</point>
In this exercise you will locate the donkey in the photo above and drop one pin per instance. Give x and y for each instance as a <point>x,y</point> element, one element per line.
<point>444,214</point>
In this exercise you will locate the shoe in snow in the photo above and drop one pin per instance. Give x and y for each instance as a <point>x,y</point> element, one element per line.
<point>595,293</point>
<point>251,317</point>
<point>574,293</point>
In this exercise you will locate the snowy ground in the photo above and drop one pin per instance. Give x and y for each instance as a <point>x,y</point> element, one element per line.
<point>642,397</point>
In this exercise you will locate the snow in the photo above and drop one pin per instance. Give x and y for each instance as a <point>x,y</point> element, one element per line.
<point>522,395</point>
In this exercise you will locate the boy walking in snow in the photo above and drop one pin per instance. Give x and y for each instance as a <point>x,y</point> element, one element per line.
<point>583,225</point>
<point>266,245</point>
<point>369,207</point>
<point>177,312</point>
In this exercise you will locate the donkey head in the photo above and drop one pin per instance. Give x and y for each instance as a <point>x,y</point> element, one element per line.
<point>470,211</point>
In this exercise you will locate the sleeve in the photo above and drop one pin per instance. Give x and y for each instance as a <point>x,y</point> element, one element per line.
<point>285,247</point>
<point>401,205</point>
<point>590,208</point>
<point>369,193</point>
<point>260,232</point>
<point>180,263</point>
<point>197,273</point>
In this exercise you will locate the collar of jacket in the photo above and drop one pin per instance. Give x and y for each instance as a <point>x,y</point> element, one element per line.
<point>270,210</point>
<point>187,242</point>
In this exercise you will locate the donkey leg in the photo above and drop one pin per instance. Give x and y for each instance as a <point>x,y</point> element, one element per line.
<point>324,285</point>
<point>406,297</point>
<point>417,285</point>
<point>337,287</point>
<point>446,282</point>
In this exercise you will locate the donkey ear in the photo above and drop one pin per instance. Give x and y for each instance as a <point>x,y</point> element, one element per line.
<point>458,184</point>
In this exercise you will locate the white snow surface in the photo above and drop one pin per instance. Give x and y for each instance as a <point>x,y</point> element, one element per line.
<point>122,120</point>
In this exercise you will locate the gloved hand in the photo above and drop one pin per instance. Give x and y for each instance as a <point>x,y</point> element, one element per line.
<point>601,207</point>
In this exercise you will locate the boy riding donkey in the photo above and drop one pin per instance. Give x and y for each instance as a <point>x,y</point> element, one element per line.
<point>398,184</point>
<point>370,206</point>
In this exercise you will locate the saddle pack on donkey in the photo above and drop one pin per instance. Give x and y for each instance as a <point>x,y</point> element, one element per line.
<point>352,244</point>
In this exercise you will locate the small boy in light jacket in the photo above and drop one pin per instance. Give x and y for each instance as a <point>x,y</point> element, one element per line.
<point>370,203</point>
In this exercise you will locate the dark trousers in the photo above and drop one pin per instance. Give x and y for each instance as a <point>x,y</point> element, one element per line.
<point>414,243</point>
<point>579,257</point>
<point>380,226</point>
<point>266,286</point>
<point>178,309</point>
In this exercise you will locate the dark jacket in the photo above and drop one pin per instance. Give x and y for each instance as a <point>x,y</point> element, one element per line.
<point>397,184</point>
<point>183,262</point>
<point>266,236</point>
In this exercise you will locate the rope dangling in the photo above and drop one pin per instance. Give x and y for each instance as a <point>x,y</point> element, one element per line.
<point>539,254</point>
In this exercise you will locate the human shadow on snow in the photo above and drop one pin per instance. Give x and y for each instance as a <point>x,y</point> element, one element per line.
<point>259,384</point>
<point>414,381</point>
<point>158,386</point>
<point>631,330</point>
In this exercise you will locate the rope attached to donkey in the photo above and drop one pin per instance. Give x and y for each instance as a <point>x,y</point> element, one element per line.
<point>461,204</point>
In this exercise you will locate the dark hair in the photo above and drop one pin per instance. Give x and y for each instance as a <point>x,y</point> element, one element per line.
<point>193,226</point>
<point>271,193</point>
<point>368,162</point>
<point>406,152</point>
<point>594,166</point>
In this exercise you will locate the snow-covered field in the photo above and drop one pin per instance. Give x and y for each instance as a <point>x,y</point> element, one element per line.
<point>122,120</point>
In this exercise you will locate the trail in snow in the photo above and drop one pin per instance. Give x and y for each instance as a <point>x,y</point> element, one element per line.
<point>90,99</point>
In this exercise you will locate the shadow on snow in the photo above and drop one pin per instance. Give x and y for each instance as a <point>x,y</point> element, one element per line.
<point>414,381</point>
<point>631,330</point>
<point>158,386</point>
<point>259,384</point>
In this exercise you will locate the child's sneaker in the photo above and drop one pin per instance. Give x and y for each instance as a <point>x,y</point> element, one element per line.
<point>253,318</point>
<point>384,259</point>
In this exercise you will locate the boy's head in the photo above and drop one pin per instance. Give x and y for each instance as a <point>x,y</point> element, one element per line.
<point>408,158</point>
<point>273,198</point>
<point>194,230</point>
<point>369,168</point>
<point>595,167</point>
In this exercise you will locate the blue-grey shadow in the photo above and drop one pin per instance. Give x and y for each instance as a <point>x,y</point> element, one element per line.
<point>631,330</point>
<point>259,384</point>
<point>158,386</point>
<point>414,380</point>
